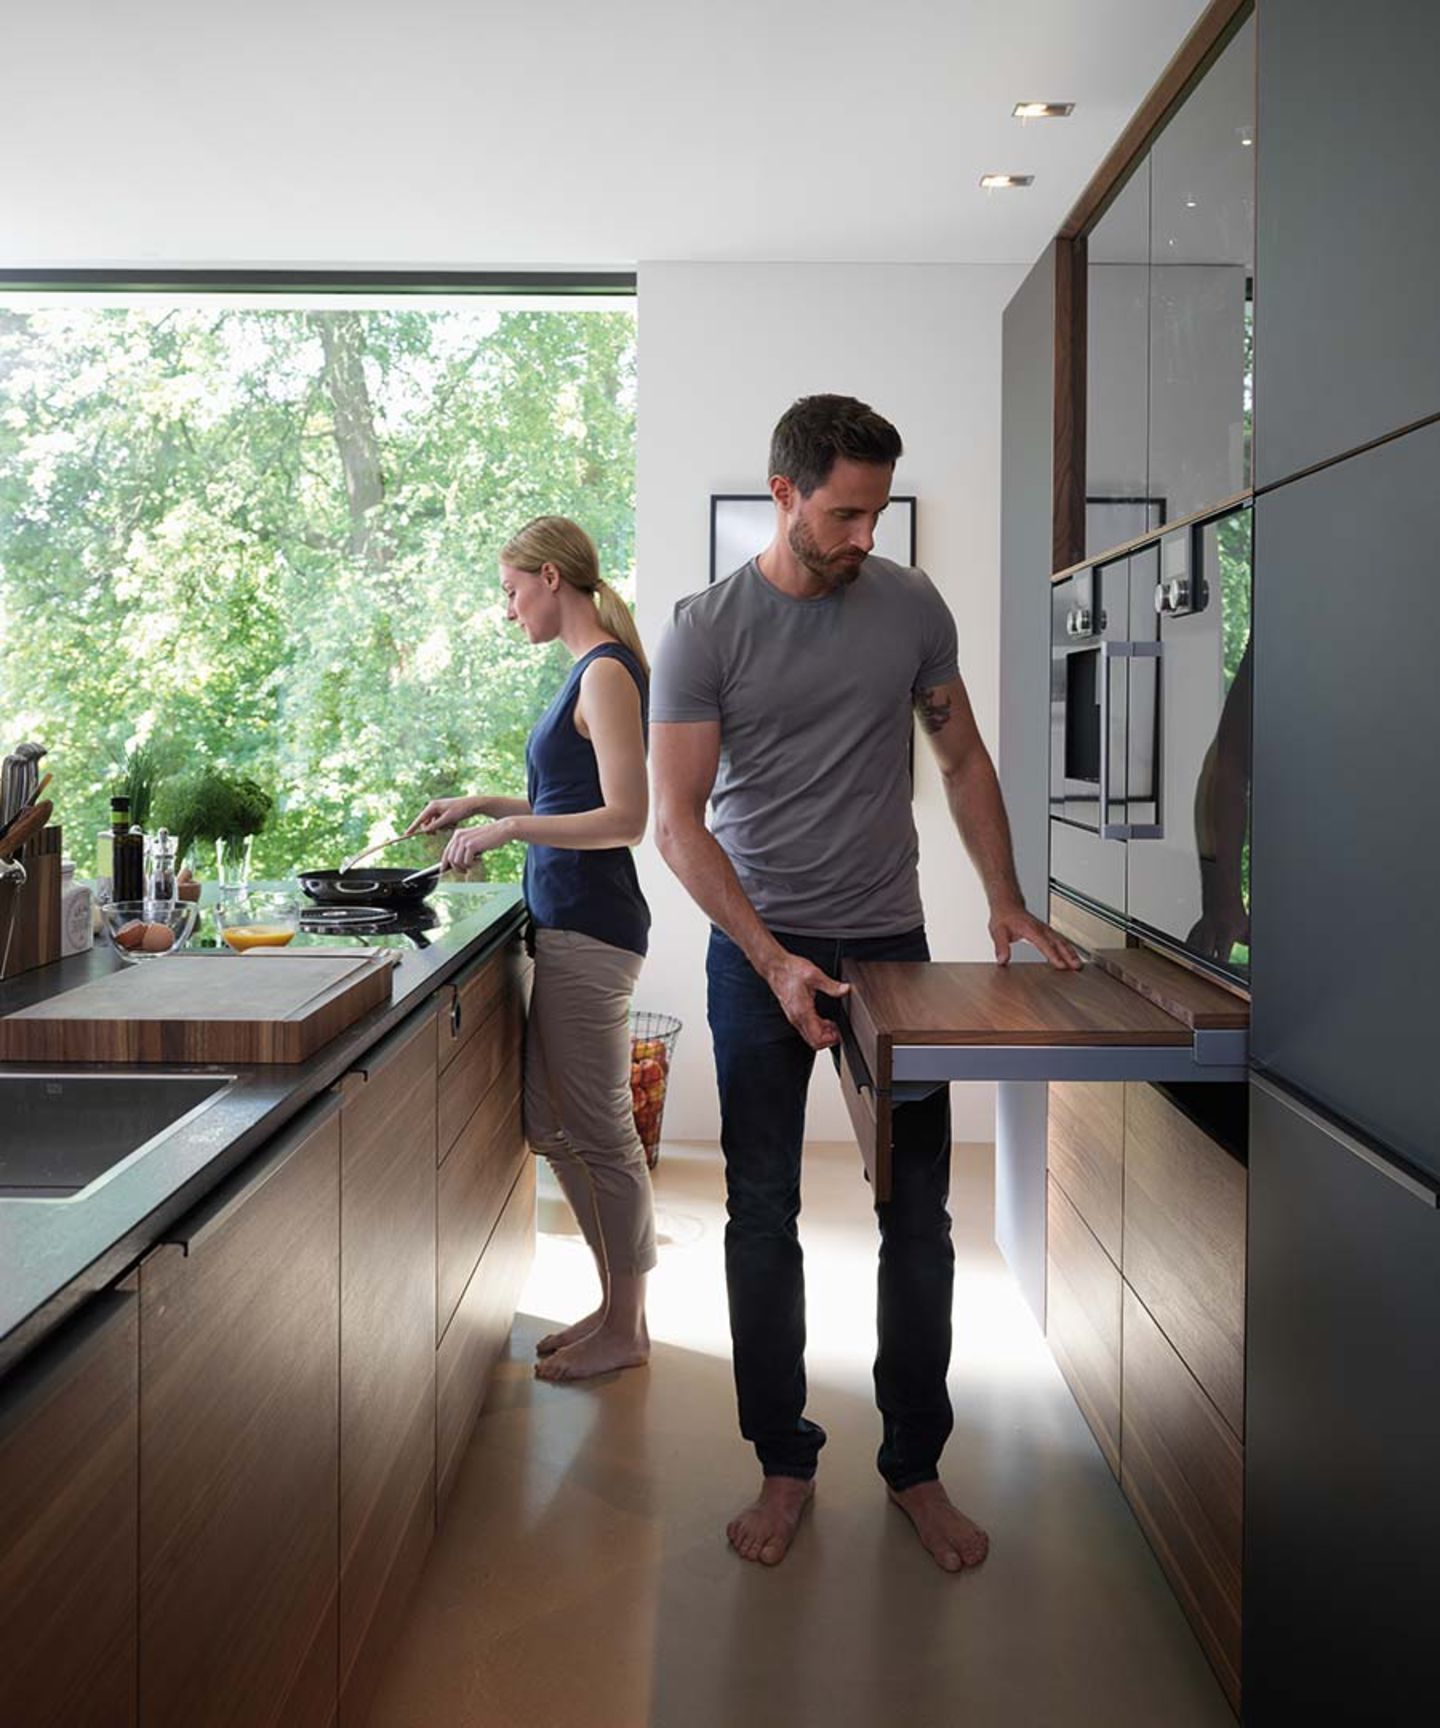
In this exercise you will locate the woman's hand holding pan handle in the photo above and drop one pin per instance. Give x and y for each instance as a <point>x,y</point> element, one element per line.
<point>442,813</point>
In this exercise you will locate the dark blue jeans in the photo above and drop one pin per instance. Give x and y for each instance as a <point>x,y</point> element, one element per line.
<point>763,1066</point>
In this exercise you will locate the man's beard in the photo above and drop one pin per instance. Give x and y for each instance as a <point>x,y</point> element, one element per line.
<point>838,570</point>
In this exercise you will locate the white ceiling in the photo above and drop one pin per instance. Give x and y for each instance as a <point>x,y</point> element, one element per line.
<point>466,134</point>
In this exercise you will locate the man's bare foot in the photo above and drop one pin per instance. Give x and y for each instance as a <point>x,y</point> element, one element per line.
<point>553,1341</point>
<point>600,1352</point>
<point>766,1528</point>
<point>951,1539</point>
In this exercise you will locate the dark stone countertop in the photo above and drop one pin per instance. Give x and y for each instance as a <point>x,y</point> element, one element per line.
<point>55,1253</point>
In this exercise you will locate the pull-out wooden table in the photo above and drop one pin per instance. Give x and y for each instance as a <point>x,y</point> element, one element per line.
<point>911,1026</point>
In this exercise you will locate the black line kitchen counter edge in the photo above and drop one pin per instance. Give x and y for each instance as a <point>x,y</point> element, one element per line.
<point>56,1254</point>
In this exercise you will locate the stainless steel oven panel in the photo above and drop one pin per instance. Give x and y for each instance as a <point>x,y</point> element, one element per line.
<point>1088,695</point>
<point>1093,867</point>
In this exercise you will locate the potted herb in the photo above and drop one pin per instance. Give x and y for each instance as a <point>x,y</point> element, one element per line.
<point>229,810</point>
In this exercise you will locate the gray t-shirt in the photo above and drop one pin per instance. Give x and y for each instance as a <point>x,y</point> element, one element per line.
<point>812,799</point>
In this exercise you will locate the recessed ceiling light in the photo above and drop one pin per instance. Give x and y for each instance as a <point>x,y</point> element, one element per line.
<point>1004,182</point>
<point>1043,110</point>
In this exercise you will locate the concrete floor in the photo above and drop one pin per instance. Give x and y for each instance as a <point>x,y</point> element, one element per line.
<point>581,1575</point>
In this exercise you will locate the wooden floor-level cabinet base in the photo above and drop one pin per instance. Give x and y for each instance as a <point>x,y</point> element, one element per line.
<point>476,1336</point>
<point>68,1467</point>
<point>1183,1470</point>
<point>1082,1321</point>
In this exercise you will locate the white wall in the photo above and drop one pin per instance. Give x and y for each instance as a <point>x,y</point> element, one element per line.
<point>724,349</point>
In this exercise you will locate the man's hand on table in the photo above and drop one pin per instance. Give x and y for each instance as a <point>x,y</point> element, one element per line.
<point>1011,924</point>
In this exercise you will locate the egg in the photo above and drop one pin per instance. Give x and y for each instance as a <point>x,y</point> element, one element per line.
<point>131,935</point>
<point>157,938</point>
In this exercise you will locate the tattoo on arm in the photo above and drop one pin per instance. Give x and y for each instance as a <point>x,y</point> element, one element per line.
<point>934,708</point>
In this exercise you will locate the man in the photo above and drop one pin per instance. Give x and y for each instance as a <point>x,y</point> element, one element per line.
<point>782,697</point>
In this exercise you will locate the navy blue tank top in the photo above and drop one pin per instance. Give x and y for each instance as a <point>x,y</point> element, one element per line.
<point>596,892</point>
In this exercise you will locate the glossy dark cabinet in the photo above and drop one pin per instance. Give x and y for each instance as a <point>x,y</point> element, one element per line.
<point>1347,338</point>
<point>1342,1513</point>
<point>1346,916</point>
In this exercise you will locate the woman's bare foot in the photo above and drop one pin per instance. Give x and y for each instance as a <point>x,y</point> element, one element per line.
<point>599,1352</point>
<point>766,1528</point>
<point>952,1540</point>
<point>553,1341</point>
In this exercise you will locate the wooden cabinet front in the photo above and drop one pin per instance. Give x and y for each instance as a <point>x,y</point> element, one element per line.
<point>1082,1321</point>
<point>1182,1470</point>
<point>68,1457</point>
<point>474,1181</point>
<point>239,1487</point>
<point>1185,1243</point>
<point>387,1346</point>
<point>1086,1149</point>
<point>476,1336</point>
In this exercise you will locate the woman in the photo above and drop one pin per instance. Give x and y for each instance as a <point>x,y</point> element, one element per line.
<point>587,806</point>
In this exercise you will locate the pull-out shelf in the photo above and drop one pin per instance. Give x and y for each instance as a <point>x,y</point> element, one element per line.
<point>914,1025</point>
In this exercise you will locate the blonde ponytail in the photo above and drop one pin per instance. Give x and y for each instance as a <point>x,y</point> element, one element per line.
<point>565,544</point>
<point>617,618</point>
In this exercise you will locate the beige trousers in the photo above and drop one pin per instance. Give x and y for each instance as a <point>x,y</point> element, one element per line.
<point>577,1093</point>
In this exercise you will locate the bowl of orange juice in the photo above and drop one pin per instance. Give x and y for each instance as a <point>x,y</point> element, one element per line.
<point>248,921</point>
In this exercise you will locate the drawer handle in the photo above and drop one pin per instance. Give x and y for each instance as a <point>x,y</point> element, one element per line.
<point>455,1016</point>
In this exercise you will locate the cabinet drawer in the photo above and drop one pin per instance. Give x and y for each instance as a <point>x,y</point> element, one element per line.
<point>474,1180</point>
<point>239,1443</point>
<point>483,1057</point>
<point>1086,1148</point>
<point>473,996</point>
<point>1082,1321</point>
<point>476,1336</point>
<point>1185,1243</point>
<point>68,1470</point>
<point>1182,1470</point>
<point>387,1347</point>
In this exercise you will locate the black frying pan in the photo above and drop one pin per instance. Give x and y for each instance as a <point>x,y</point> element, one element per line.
<point>366,887</point>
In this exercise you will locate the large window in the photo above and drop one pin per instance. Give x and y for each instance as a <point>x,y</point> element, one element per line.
<point>264,538</point>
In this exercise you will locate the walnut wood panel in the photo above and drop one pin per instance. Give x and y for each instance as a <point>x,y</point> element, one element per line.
<point>239,1485</point>
<point>476,1337</point>
<point>1206,39</point>
<point>477,1175</point>
<point>474,995</point>
<point>387,1348</point>
<point>1068,480</point>
<point>69,1438</point>
<point>1188,997</point>
<point>1082,927</point>
<point>874,1048</point>
<point>203,1008</point>
<point>1086,1154</point>
<point>33,938</point>
<point>1182,1470</point>
<point>975,1002</point>
<point>869,1113</point>
<point>1185,1243</point>
<point>467,1079</point>
<point>1082,1321</point>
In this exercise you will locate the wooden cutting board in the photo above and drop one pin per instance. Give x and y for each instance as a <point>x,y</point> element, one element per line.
<point>203,1008</point>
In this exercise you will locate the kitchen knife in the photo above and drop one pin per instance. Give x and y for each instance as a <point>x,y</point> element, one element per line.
<point>19,831</point>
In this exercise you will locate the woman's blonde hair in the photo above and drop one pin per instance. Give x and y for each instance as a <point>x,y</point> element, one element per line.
<point>565,544</point>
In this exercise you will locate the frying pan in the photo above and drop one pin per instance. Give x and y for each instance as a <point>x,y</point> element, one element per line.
<point>369,887</point>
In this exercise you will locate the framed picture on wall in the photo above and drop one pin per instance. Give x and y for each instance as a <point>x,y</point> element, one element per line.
<point>743,523</point>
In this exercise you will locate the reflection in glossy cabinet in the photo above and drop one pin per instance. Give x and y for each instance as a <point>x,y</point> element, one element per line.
<point>387,1347</point>
<point>239,1488</point>
<point>68,1452</point>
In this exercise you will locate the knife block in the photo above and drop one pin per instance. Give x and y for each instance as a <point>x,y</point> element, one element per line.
<point>30,915</point>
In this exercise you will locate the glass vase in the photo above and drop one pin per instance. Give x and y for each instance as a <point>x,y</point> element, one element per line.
<point>232,862</point>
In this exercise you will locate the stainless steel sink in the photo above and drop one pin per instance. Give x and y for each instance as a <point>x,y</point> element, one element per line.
<point>61,1133</point>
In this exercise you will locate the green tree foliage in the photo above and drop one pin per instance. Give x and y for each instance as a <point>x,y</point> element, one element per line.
<point>266,541</point>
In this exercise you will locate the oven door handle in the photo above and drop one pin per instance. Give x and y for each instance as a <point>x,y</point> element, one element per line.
<point>1119,830</point>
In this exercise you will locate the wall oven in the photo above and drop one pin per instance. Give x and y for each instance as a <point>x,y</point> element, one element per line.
<point>1150,738</point>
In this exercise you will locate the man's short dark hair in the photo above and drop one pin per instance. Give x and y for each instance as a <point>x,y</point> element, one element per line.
<point>817,429</point>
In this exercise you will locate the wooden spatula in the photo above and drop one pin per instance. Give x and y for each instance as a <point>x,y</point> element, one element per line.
<point>29,822</point>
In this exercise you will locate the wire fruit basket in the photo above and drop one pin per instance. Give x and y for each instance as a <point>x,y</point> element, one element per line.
<point>652,1049</point>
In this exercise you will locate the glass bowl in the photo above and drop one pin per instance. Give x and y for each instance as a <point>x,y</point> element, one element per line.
<point>147,929</point>
<point>246,921</point>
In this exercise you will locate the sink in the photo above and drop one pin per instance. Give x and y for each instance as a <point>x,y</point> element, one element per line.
<point>61,1133</point>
